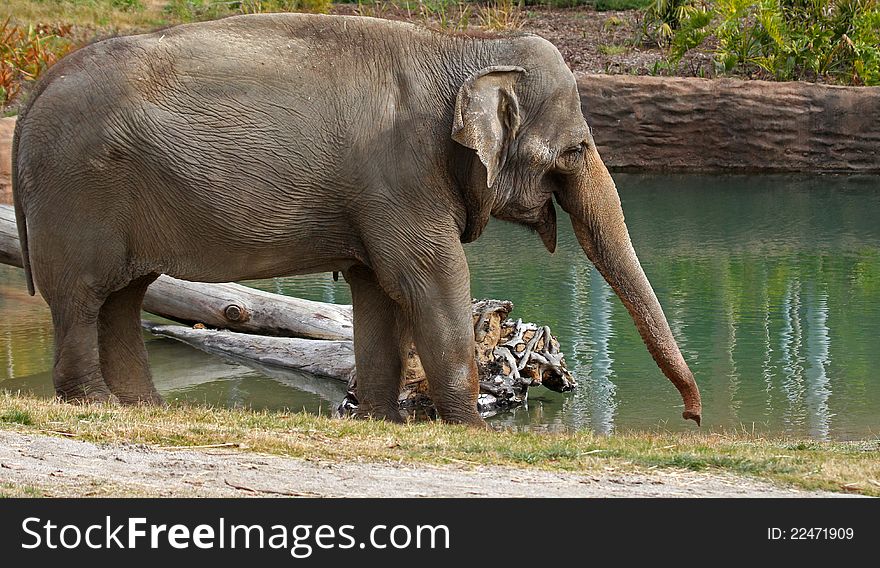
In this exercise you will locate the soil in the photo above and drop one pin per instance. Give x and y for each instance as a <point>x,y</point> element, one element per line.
<point>590,41</point>
<point>596,42</point>
<point>609,42</point>
<point>61,467</point>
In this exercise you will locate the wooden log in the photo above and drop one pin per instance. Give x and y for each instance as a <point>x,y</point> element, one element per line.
<point>10,252</point>
<point>7,127</point>
<point>247,310</point>
<point>330,359</point>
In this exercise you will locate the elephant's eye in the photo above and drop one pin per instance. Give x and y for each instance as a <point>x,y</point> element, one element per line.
<point>571,158</point>
<point>576,150</point>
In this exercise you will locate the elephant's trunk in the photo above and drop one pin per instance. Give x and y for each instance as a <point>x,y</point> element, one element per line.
<point>594,207</point>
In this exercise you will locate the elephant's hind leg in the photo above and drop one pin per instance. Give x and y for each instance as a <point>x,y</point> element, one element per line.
<point>122,351</point>
<point>77,369</point>
<point>377,347</point>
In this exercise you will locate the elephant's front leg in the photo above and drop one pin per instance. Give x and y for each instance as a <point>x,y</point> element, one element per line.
<point>438,303</point>
<point>377,346</point>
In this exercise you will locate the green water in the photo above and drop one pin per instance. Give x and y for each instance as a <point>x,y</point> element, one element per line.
<point>770,283</point>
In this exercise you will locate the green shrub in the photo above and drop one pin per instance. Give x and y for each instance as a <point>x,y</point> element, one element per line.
<point>693,29</point>
<point>663,19</point>
<point>815,40</point>
<point>191,10</point>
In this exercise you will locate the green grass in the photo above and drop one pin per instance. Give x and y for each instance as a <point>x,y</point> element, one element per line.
<point>835,466</point>
<point>10,490</point>
<point>604,5</point>
<point>613,49</point>
<point>16,416</point>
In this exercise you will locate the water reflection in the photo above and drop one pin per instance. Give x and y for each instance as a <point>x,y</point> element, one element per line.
<point>731,312</point>
<point>766,363</point>
<point>600,390</point>
<point>792,367</point>
<point>816,374</point>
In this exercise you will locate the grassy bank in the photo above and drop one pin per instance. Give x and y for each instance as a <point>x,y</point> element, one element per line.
<point>852,467</point>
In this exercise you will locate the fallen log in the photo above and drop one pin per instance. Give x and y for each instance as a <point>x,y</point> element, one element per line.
<point>512,356</point>
<point>247,310</point>
<point>324,358</point>
<point>271,331</point>
<point>10,252</point>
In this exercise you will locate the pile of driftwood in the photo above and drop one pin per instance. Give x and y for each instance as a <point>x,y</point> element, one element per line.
<point>274,331</point>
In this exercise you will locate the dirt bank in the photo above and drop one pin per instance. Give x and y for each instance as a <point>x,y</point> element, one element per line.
<point>52,466</point>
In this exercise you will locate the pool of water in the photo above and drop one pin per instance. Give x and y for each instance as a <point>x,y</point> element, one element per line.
<point>770,283</point>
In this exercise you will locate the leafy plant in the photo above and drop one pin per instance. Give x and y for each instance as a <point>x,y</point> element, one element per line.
<point>693,28</point>
<point>814,40</point>
<point>26,52</point>
<point>662,18</point>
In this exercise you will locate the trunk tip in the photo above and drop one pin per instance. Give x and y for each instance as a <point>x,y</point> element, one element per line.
<point>692,415</point>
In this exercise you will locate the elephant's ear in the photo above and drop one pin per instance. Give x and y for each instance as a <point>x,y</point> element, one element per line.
<point>487,115</point>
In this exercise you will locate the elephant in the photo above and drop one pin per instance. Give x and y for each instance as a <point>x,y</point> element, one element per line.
<point>269,145</point>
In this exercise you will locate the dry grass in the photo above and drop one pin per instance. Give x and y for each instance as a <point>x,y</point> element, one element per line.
<point>119,16</point>
<point>852,467</point>
<point>501,15</point>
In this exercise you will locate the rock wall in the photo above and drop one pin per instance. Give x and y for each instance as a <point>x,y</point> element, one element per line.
<point>654,123</point>
<point>686,124</point>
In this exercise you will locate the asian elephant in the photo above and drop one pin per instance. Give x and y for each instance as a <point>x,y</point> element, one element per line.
<point>280,144</point>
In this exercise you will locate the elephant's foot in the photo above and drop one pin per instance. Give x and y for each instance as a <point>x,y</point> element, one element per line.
<point>369,412</point>
<point>85,391</point>
<point>149,398</point>
<point>134,389</point>
<point>454,409</point>
<point>473,420</point>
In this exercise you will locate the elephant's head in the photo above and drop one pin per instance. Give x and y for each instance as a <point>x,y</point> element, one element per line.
<point>526,126</point>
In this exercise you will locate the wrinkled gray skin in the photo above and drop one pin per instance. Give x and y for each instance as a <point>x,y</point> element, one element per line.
<point>272,145</point>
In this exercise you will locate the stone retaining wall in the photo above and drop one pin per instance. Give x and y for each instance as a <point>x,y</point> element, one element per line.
<point>687,124</point>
